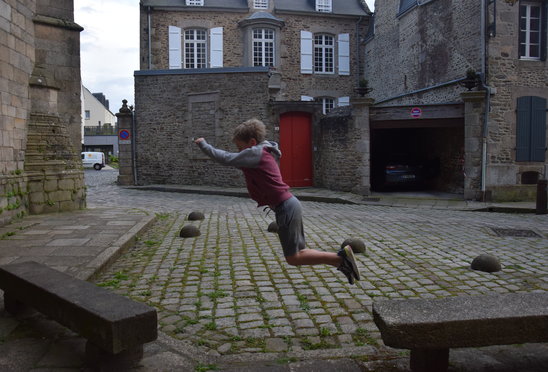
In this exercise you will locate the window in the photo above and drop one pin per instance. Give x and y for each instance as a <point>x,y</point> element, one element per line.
<point>263,47</point>
<point>195,49</point>
<point>530,35</point>
<point>328,104</point>
<point>323,6</point>
<point>260,4</point>
<point>405,5</point>
<point>531,129</point>
<point>189,49</point>
<point>195,2</point>
<point>324,51</point>
<point>87,114</point>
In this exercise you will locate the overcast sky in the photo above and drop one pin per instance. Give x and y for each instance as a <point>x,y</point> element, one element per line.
<point>110,46</point>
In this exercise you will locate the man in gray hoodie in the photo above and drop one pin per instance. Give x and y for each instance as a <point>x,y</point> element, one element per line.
<point>258,160</point>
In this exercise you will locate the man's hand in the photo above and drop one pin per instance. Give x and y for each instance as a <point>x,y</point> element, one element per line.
<point>198,140</point>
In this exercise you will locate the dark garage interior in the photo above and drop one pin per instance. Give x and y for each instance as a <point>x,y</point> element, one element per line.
<point>428,156</point>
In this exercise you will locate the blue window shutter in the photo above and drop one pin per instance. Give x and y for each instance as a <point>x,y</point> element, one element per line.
<point>523,129</point>
<point>538,129</point>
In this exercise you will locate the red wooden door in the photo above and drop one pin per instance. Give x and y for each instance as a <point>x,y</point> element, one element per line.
<point>296,147</point>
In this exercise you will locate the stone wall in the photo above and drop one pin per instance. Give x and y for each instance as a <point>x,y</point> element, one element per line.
<point>431,44</point>
<point>510,79</point>
<point>172,109</point>
<point>293,83</point>
<point>40,166</point>
<point>16,62</point>
<point>343,153</point>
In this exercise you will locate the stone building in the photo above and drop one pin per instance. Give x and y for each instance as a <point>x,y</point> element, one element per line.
<point>207,65</point>
<point>40,114</point>
<point>488,142</point>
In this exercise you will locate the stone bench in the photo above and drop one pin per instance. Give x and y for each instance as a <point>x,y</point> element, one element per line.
<point>430,327</point>
<point>115,327</point>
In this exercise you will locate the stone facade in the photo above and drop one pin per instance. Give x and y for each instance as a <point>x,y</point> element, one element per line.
<point>435,43</point>
<point>175,105</point>
<point>40,167</point>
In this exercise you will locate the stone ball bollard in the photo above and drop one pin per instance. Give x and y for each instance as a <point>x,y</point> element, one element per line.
<point>273,227</point>
<point>357,245</point>
<point>189,231</point>
<point>486,263</point>
<point>196,216</point>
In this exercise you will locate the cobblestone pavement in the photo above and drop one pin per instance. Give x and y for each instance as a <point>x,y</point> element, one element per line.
<point>229,291</point>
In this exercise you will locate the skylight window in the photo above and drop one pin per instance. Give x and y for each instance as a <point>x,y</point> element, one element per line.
<point>260,4</point>
<point>195,2</point>
<point>323,6</point>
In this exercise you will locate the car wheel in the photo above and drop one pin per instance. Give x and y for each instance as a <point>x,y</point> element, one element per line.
<point>97,166</point>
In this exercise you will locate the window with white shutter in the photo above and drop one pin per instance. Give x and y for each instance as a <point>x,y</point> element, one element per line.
<point>344,101</point>
<point>306,52</point>
<point>195,49</point>
<point>324,53</point>
<point>216,47</point>
<point>174,41</point>
<point>344,54</point>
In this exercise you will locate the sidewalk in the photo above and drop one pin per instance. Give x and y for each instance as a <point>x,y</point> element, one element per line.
<point>83,243</point>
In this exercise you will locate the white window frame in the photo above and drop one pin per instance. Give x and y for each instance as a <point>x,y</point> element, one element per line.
<point>528,31</point>
<point>265,45</point>
<point>324,6</point>
<point>260,4</point>
<point>87,114</point>
<point>328,104</point>
<point>195,2</point>
<point>326,53</point>
<point>197,59</point>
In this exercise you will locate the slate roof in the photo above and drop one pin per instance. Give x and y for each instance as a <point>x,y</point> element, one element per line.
<point>340,7</point>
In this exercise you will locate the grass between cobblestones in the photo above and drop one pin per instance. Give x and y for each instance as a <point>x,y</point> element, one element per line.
<point>230,290</point>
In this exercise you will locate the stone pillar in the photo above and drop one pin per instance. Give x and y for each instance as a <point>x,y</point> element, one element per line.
<point>125,145</point>
<point>53,164</point>
<point>360,113</point>
<point>474,106</point>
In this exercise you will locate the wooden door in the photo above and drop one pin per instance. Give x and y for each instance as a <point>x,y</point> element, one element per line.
<point>296,147</point>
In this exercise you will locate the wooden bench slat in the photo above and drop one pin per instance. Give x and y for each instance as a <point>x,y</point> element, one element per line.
<point>111,322</point>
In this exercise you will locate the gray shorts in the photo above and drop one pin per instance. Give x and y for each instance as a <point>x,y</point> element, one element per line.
<point>289,217</point>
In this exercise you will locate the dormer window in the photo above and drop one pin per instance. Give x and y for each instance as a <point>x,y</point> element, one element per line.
<point>260,4</point>
<point>323,6</point>
<point>195,2</point>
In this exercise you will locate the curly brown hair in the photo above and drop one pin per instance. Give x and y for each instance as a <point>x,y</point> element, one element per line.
<point>252,128</point>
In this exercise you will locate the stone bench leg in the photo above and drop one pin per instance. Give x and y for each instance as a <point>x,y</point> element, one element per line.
<point>429,360</point>
<point>15,307</point>
<point>103,360</point>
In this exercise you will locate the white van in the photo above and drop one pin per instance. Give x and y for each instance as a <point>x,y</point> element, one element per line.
<point>93,159</point>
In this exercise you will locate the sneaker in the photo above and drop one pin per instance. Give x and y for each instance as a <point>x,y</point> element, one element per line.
<point>349,261</point>
<point>346,270</point>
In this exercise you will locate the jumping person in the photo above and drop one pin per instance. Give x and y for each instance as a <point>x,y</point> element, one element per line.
<point>258,160</point>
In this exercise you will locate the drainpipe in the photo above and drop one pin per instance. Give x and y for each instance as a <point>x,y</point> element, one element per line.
<point>358,74</point>
<point>134,146</point>
<point>485,130</point>
<point>149,38</point>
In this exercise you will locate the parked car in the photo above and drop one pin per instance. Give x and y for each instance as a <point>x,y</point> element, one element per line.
<point>403,172</point>
<point>93,159</point>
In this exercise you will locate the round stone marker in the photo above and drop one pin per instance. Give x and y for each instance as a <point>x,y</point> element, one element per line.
<point>273,227</point>
<point>189,231</point>
<point>357,245</point>
<point>195,216</point>
<point>487,263</point>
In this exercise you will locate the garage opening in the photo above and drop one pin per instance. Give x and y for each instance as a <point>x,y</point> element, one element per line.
<point>418,156</point>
